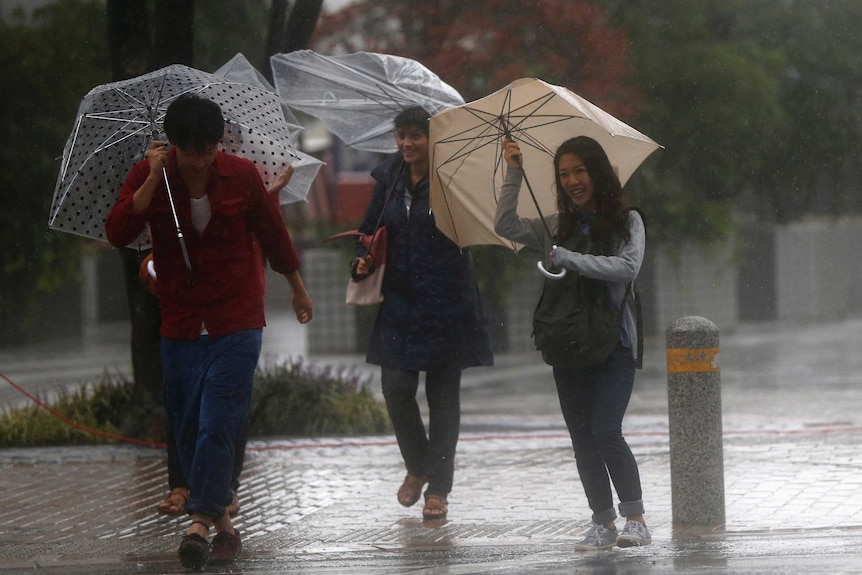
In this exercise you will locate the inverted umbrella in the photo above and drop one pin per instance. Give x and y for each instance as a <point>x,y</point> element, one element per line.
<point>117,122</point>
<point>467,167</point>
<point>358,95</point>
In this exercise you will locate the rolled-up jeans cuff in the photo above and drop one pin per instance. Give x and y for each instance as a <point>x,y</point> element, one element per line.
<point>629,508</point>
<point>604,517</point>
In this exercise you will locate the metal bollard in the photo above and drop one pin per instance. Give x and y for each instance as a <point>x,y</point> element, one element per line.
<point>694,414</point>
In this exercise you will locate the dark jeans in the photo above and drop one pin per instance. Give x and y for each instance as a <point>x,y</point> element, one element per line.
<point>431,454</point>
<point>175,470</point>
<point>207,385</point>
<point>594,401</point>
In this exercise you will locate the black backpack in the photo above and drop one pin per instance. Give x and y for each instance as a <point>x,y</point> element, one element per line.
<point>575,324</point>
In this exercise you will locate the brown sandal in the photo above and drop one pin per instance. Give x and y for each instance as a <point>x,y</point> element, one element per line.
<point>411,490</point>
<point>225,547</point>
<point>436,507</point>
<point>175,503</point>
<point>233,508</point>
<point>194,550</point>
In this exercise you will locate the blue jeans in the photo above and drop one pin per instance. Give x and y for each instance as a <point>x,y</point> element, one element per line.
<point>207,387</point>
<point>594,401</point>
<point>433,454</point>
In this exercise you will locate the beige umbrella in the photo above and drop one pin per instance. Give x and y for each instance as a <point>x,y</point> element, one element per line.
<point>467,167</point>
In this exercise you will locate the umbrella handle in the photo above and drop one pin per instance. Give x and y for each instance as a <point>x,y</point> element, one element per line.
<point>551,275</point>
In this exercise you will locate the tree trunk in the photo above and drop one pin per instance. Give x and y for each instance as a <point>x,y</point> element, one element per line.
<point>301,24</point>
<point>131,54</point>
<point>174,27</point>
<point>293,35</point>
<point>128,38</point>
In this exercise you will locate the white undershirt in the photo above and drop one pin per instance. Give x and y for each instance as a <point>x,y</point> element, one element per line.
<point>201,214</point>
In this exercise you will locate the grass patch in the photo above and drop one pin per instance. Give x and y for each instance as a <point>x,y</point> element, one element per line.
<point>93,405</point>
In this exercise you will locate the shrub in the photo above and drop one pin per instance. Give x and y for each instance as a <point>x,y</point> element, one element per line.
<point>287,399</point>
<point>295,399</point>
<point>92,406</point>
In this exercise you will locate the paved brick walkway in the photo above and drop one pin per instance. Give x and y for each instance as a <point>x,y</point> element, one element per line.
<point>792,467</point>
<point>323,498</point>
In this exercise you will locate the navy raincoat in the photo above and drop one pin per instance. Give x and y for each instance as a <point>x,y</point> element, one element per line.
<point>431,317</point>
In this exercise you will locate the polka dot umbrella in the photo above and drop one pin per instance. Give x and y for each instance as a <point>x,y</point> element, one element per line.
<point>116,123</point>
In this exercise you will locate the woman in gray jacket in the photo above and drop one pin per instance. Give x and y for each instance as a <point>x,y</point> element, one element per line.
<point>594,398</point>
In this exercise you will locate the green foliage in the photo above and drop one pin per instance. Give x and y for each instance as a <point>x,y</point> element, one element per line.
<point>295,399</point>
<point>289,399</point>
<point>94,406</point>
<point>48,65</point>
<point>757,104</point>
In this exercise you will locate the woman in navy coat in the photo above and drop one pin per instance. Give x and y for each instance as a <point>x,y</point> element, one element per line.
<point>431,319</point>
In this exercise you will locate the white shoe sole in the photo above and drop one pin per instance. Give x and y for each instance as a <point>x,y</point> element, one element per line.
<point>581,547</point>
<point>632,542</point>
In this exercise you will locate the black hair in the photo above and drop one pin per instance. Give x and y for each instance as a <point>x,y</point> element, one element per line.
<point>413,117</point>
<point>194,123</point>
<point>611,213</point>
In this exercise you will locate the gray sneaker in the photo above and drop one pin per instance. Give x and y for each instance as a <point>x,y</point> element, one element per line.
<point>634,534</point>
<point>598,537</point>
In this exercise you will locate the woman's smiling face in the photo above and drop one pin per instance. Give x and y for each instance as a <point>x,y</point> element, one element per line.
<point>576,182</point>
<point>412,143</point>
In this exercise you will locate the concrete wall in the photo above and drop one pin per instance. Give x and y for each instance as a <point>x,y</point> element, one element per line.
<point>817,271</point>
<point>692,280</point>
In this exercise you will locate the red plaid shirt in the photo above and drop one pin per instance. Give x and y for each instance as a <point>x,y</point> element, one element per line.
<point>225,293</point>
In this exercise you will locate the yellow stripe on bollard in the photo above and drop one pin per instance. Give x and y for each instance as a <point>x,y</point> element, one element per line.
<point>692,360</point>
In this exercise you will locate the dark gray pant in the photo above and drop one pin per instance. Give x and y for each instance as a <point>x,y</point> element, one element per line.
<point>431,454</point>
<point>594,401</point>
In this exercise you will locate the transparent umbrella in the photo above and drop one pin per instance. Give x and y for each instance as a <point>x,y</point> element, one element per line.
<point>358,95</point>
<point>117,122</point>
<point>239,69</point>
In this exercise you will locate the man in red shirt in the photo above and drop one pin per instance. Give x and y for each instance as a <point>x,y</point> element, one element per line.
<point>211,297</point>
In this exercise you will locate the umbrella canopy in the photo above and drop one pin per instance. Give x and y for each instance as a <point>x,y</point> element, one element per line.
<point>467,167</point>
<point>117,122</point>
<point>239,69</point>
<point>358,95</point>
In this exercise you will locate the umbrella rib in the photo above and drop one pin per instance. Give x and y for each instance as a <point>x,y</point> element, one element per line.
<point>64,168</point>
<point>65,165</point>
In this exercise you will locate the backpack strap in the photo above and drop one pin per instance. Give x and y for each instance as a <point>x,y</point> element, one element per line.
<point>638,310</point>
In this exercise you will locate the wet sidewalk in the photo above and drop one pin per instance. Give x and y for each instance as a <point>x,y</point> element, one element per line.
<point>792,467</point>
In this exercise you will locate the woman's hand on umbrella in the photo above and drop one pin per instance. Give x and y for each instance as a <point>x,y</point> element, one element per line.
<point>511,153</point>
<point>156,156</point>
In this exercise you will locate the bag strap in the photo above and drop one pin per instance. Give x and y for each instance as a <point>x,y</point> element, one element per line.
<point>639,322</point>
<point>637,301</point>
<point>385,203</point>
<point>632,292</point>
